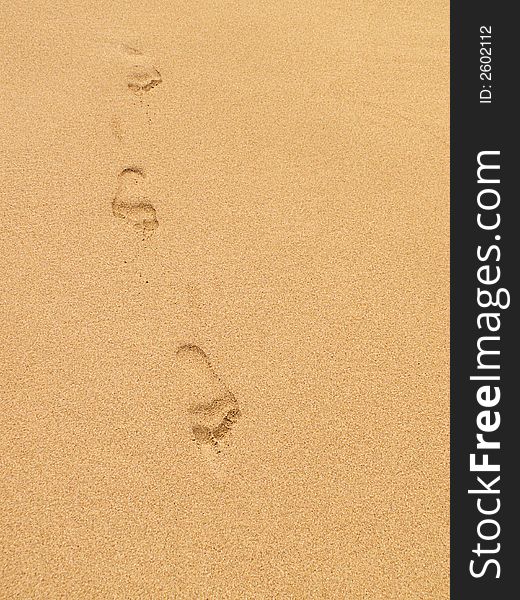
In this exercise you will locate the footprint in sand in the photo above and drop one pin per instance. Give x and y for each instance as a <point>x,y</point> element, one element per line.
<point>130,202</point>
<point>141,74</point>
<point>212,409</point>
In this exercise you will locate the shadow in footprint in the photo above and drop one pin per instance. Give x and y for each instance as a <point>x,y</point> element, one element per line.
<point>142,78</point>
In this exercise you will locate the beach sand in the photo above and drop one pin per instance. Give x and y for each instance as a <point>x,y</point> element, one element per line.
<point>225,338</point>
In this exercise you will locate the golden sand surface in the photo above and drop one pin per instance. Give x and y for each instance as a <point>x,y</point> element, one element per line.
<point>225,302</point>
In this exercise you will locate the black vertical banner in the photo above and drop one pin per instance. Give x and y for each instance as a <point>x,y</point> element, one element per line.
<point>484,269</point>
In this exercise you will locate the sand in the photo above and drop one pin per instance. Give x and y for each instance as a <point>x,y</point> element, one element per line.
<point>225,300</point>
